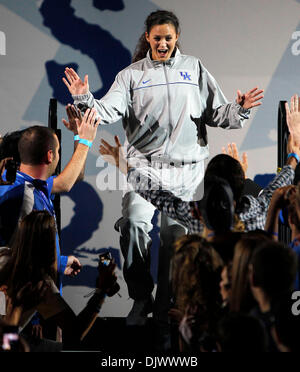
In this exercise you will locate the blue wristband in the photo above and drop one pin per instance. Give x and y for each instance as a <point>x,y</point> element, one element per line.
<point>294,155</point>
<point>76,138</point>
<point>85,142</point>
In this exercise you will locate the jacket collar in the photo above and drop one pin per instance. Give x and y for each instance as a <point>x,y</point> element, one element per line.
<point>169,62</point>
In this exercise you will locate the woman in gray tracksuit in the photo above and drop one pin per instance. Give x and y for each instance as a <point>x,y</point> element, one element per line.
<point>165,100</point>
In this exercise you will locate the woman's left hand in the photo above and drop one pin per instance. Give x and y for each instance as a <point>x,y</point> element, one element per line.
<point>250,99</point>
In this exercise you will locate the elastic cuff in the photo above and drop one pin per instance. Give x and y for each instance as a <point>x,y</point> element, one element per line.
<point>294,155</point>
<point>76,137</point>
<point>81,97</point>
<point>240,109</point>
<point>130,170</point>
<point>244,111</point>
<point>85,142</point>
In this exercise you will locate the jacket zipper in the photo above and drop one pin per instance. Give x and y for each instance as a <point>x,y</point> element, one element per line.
<point>169,108</point>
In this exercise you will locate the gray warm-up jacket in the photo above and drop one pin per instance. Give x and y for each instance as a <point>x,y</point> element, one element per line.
<point>165,106</point>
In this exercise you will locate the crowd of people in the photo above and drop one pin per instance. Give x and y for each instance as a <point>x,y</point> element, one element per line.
<point>233,283</point>
<point>225,282</point>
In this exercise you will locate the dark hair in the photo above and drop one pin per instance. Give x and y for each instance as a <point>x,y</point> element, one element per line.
<point>196,271</point>
<point>216,206</point>
<point>287,325</point>
<point>34,144</point>
<point>33,253</point>
<point>239,332</point>
<point>159,17</point>
<point>274,269</point>
<point>241,295</point>
<point>230,169</point>
<point>224,244</point>
<point>9,145</point>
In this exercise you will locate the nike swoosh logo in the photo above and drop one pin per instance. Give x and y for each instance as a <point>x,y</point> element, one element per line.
<point>147,81</point>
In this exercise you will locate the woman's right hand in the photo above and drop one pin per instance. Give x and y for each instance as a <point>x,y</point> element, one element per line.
<point>73,82</point>
<point>114,154</point>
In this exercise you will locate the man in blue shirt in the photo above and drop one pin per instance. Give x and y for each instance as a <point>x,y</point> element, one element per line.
<point>38,149</point>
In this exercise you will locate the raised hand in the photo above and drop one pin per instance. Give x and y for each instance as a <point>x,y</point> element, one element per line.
<point>73,113</point>
<point>37,331</point>
<point>188,323</point>
<point>283,195</point>
<point>87,127</point>
<point>250,99</point>
<point>293,117</point>
<point>107,276</point>
<point>2,168</point>
<point>114,154</point>
<point>73,82</point>
<point>233,152</point>
<point>73,266</point>
<point>292,145</point>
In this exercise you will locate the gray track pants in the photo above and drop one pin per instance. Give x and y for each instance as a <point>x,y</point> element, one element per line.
<point>135,243</point>
<point>135,226</point>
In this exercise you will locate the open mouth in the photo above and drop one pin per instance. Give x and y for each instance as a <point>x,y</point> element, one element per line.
<point>162,52</point>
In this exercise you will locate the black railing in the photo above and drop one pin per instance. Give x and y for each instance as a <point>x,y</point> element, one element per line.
<point>284,231</point>
<point>52,123</point>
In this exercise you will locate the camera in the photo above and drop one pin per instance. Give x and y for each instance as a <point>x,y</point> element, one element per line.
<point>10,338</point>
<point>11,171</point>
<point>105,259</point>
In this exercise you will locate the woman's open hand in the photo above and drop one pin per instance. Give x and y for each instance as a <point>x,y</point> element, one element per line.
<point>250,99</point>
<point>73,82</point>
<point>114,154</point>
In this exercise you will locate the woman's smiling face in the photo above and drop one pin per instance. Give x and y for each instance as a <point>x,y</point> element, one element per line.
<point>162,40</point>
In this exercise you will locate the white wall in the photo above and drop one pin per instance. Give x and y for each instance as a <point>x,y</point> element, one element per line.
<point>242,43</point>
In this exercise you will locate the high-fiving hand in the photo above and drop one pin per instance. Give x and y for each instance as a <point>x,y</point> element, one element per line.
<point>73,82</point>
<point>250,99</point>
<point>293,118</point>
<point>87,127</point>
<point>73,113</point>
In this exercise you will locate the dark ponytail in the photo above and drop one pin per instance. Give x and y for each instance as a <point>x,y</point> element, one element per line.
<point>160,17</point>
